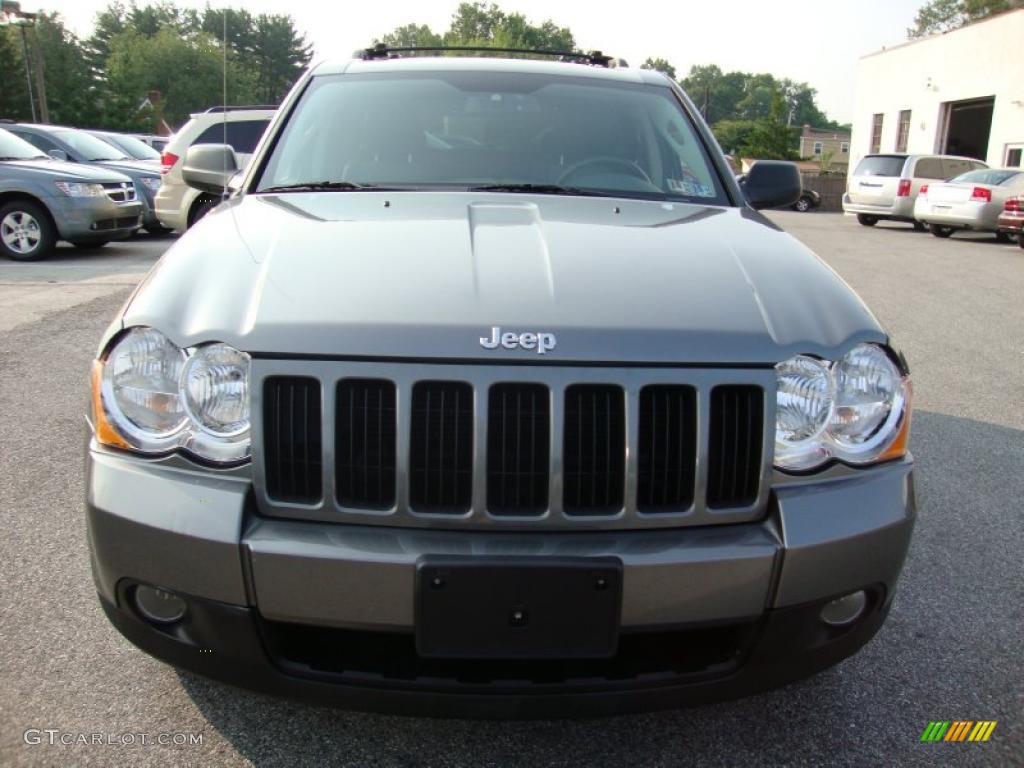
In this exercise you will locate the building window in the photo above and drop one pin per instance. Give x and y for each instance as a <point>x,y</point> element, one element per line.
<point>845,148</point>
<point>817,148</point>
<point>876,133</point>
<point>904,131</point>
<point>1013,157</point>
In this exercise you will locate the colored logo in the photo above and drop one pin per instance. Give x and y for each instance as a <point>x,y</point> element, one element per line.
<point>958,730</point>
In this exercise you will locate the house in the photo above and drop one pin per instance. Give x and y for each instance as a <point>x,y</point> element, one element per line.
<point>817,142</point>
<point>957,93</point>
<point>153,106</point>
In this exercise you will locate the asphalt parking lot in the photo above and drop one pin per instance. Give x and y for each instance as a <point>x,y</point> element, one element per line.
<point>952,648</point>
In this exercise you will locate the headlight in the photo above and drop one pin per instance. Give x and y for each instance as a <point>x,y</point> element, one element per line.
<point>155,397</point>
<point>855,410</point>
<point>152,183</point>
<point>80,189</point>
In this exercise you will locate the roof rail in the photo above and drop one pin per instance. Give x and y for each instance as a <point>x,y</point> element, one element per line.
<point>236,108</point>
<point>382,51</point>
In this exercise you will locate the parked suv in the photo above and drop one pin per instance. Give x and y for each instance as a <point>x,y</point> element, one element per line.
<point>178,205</point>
<point>885,187</point>
<point>44,200</point>
<point>490,393</point>
<point>77,146</point>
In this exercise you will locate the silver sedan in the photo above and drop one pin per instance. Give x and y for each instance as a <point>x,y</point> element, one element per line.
<point>972,200</point>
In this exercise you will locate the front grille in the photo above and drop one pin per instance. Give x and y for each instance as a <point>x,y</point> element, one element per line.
<point>292,439</point>
<point>667,448</point>
<point>441,450</point>
<point>364,465</point>
<point>120,192</point>
<point>123,222</point>
<point>734,461</point>
<point>594,453</point>
<point>555,447</point>
<point>518,437</point>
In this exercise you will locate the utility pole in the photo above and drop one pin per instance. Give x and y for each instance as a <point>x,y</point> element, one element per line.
<point>11,14</point>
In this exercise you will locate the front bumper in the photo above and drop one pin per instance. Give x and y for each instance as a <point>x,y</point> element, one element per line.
<point>305,609</point>
<point>79,218</point>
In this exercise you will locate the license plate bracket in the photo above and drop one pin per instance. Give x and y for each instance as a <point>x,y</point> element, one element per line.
<point>518,608</point>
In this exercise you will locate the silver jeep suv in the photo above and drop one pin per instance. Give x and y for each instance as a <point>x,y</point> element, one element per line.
<point>490,393</point>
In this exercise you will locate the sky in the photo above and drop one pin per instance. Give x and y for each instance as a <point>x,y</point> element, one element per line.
<point>814,42</point>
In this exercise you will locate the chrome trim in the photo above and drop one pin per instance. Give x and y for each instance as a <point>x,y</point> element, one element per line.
<point>481,377</point>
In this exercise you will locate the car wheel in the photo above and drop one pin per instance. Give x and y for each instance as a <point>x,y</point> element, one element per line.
<point>803,205</point>
<point>202,207</point>
<point>866,220</point>
<point>89,243</point>
<point>920,226</point>
<point>1020,239</point>
<point>940,231</point>
<point>26,232</point>
<point>1002,237</point>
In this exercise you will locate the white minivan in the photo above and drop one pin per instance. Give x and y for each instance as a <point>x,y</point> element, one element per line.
<point>885,186</point>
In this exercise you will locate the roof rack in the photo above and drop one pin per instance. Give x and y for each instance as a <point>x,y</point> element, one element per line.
<point>236,108</point>
<point>382,51</point>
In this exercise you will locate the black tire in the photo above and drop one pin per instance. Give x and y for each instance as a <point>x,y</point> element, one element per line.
<point>1020,239</point>
<point>803,205</point>
<point>156,230</point>
<point>866,220</point>
<point>200,208</point>
<point>920,226</point>
<point>940,231</point>
<point>26,231</point>
<point>98,243</point>
<point>1002,237</point>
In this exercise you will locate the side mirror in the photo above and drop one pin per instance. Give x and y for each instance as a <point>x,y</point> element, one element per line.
<point>209,167</point>
<point>772,184</point>
<point>58,154</point>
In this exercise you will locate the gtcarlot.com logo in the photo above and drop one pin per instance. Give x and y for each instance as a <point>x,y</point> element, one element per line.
<point>55,736</point>
<point>958,730</point>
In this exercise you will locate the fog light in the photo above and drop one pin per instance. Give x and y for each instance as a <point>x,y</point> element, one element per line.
<point>844,610</point>
<point>159,605</point>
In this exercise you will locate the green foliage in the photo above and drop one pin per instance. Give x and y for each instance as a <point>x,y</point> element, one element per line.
<point>14,102</point>
<point>766,138</point>
<point>946,15</point>
<point>660,65</point>
<point>734,136</point>
<point>411,36</point>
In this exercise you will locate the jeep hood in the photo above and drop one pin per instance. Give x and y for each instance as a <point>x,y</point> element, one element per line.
<point>427,275</point>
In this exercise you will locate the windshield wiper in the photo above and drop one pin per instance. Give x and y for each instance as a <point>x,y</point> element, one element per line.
<point>539,189</point>
<point>34,157</point>
<point>327,186</point>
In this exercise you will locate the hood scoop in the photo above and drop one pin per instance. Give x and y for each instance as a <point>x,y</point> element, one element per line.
<point>509,250</point>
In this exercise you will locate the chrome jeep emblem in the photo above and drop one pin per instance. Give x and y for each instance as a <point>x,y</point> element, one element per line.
<point>541,342</point>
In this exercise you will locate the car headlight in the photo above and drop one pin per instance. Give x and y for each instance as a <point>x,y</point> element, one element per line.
<point>856,409</point>
<point>152,183</point>
<point>152,397</point>
<point>80,189</point>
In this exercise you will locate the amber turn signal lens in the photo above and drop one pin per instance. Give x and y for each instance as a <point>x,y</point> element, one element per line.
<point>898,449</point>
<point>104,431</point>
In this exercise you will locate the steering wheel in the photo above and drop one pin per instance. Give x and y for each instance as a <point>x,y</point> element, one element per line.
<point>607,160</point>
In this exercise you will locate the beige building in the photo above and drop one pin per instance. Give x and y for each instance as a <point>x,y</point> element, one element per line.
<point>958,93</point>
<point>816,142</point>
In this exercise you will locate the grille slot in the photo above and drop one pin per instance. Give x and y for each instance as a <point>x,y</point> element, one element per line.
<point>365,443</point>
<point>292,416</point>
<point>667,448</point>
<point>441,447</point>
<point>518,449</point>
<point>594,448</point>
<point>734,459</point>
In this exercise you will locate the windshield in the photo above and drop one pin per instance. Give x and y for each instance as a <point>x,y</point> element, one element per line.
<point>986,176</point>
<point>464,130</point>
<point>140,150</point>
<point>89,147</point>
<point>881,165</point>
<point>14,148</point>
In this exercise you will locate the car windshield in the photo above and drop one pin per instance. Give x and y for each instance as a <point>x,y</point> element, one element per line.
<point>881,165</point>
<point>14,148</point>
<point>140,150</point>
<point>514,132</point>
<point>993,177</point>
<point>89,147</point>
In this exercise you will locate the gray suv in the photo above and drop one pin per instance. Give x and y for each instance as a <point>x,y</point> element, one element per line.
<point>43,200</point>
<point>77,146</point>
<point>499,399</point>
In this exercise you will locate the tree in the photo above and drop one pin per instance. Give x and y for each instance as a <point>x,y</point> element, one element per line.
<point>771,138</point>
<point>69,92</point>
<point>660,65</point>
<point>411,36</point>
<point>279,55</point>
<point>14,102</point>
<point>734,136</point>
<point>946,15</point>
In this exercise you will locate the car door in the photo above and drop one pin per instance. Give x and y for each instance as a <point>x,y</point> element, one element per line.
<point>876,180</point>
